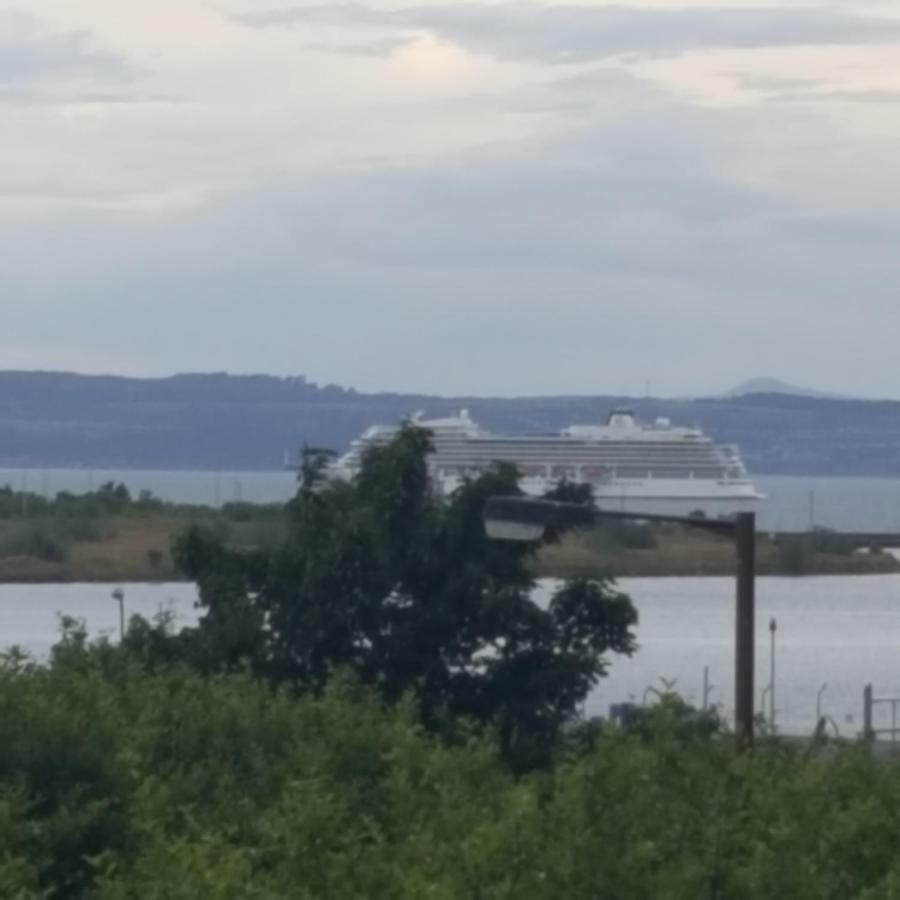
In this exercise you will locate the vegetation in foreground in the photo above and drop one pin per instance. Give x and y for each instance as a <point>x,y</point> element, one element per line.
<point>380,578</point>
<point>118,781</point>
<point>373,706</point>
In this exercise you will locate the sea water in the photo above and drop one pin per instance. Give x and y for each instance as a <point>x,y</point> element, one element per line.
<point>833,636</point>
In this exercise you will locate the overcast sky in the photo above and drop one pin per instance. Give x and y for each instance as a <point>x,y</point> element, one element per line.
<point>482,197</point>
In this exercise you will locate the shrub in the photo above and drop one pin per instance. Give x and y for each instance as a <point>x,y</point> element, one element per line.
<point>626,536</point>
<point>794,555</point>
<point>38,541</point>
<point>119,783</point>
<point>77,528</point>
<point>824,540</point>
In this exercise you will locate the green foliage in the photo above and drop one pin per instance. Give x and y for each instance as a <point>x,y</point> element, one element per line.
<point>78,528</point>
<point>407,591</point>
<point>624,535</point>
<point>38,540</point>
<point>117,782</point>
<point>39,528</point>
<point>49,538</point>
<point>111,500</point>
<point>252,512</point>
<point>565,491</point>
<point>825,540</point>
<point>794,555</point>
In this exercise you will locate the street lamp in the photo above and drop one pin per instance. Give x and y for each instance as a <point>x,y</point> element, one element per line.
<point>119,595</point>
<point>819,702</point>
<point>525,519</point>
<point>773,627</point>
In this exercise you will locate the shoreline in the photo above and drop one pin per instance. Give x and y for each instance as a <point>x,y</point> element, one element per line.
<point>134,544</point>
<point>678,553</point>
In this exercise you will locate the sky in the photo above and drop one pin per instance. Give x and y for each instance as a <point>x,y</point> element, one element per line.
<point>502,197</point>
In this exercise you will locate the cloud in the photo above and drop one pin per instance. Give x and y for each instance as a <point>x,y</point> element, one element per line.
<point>60,196</point>
<point>378,49</point>
<point>31,56</point>
<point>572,34</point>
<point>331,14</point>
<point>73,100</point>
<point>344,190</point>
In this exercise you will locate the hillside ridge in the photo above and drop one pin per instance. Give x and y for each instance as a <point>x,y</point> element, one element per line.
<point>216,420</point>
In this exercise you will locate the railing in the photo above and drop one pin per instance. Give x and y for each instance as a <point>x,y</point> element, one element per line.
<point>870,701</point>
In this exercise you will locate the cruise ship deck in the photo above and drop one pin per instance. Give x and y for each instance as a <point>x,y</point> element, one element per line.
<point>643,467</point>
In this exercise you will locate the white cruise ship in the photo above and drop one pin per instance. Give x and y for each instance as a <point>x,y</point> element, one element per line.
<point>632,466</point>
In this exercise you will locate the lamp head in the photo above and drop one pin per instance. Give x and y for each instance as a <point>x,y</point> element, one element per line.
<point>524,519</point>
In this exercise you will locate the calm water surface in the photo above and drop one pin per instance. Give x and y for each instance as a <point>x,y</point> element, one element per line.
<point>843,631</point>
<point>839,631</point>
<point>30,614</point>
<point>792,504</point>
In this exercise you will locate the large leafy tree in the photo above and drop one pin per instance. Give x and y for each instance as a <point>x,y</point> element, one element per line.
<point>381,577</point>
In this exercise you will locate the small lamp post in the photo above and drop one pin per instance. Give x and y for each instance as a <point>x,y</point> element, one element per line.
<point>773,627</point>
<point>525,519</point>
<point>707,688</point>
<point>119,595</point>
<point>819,701</point>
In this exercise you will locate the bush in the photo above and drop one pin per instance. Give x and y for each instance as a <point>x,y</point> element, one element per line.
<point>408,591</point>
<point>626,536</point>
<point>824,540</point>
<point>15,503</point>
<point>794,555</point>
<point>119,783</point>
<point>77,528</point>
<point>49,538</point>
<point>38,541</point>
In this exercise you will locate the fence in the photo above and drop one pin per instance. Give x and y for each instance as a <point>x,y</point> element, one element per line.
<point>870,702</point>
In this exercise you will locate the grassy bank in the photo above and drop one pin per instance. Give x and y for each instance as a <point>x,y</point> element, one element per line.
<point>639,551</point>
<point>109,536</point>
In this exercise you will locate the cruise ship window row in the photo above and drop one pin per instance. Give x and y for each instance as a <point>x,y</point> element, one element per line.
<point>717,472</point>
<point>609,464</point>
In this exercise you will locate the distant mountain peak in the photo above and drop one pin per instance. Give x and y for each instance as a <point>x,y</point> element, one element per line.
<point>776,386</point>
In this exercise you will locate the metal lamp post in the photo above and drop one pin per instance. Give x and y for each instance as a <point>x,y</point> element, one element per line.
<point>773,627</point>
<point>524,519</point>
<point>119,595</point>
<point>819,701</point>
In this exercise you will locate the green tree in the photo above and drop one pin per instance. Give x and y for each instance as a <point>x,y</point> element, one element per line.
<point>119,783</point>
<point>565,491</point>
<point>382,578</point>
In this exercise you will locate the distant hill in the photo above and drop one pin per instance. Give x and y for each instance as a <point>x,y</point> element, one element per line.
<point>776,386</point>
<point>219,421</point>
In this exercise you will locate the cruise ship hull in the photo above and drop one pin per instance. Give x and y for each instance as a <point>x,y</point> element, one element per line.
<point>631,467</point>
<point>679,497</point>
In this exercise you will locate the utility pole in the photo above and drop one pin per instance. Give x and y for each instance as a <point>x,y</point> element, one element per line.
<point>119,595</point>
<point>745,616</point>
<point>707,688</point>
<point>868,702</point>
<point>773,627</point>
<point>819,702</point>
